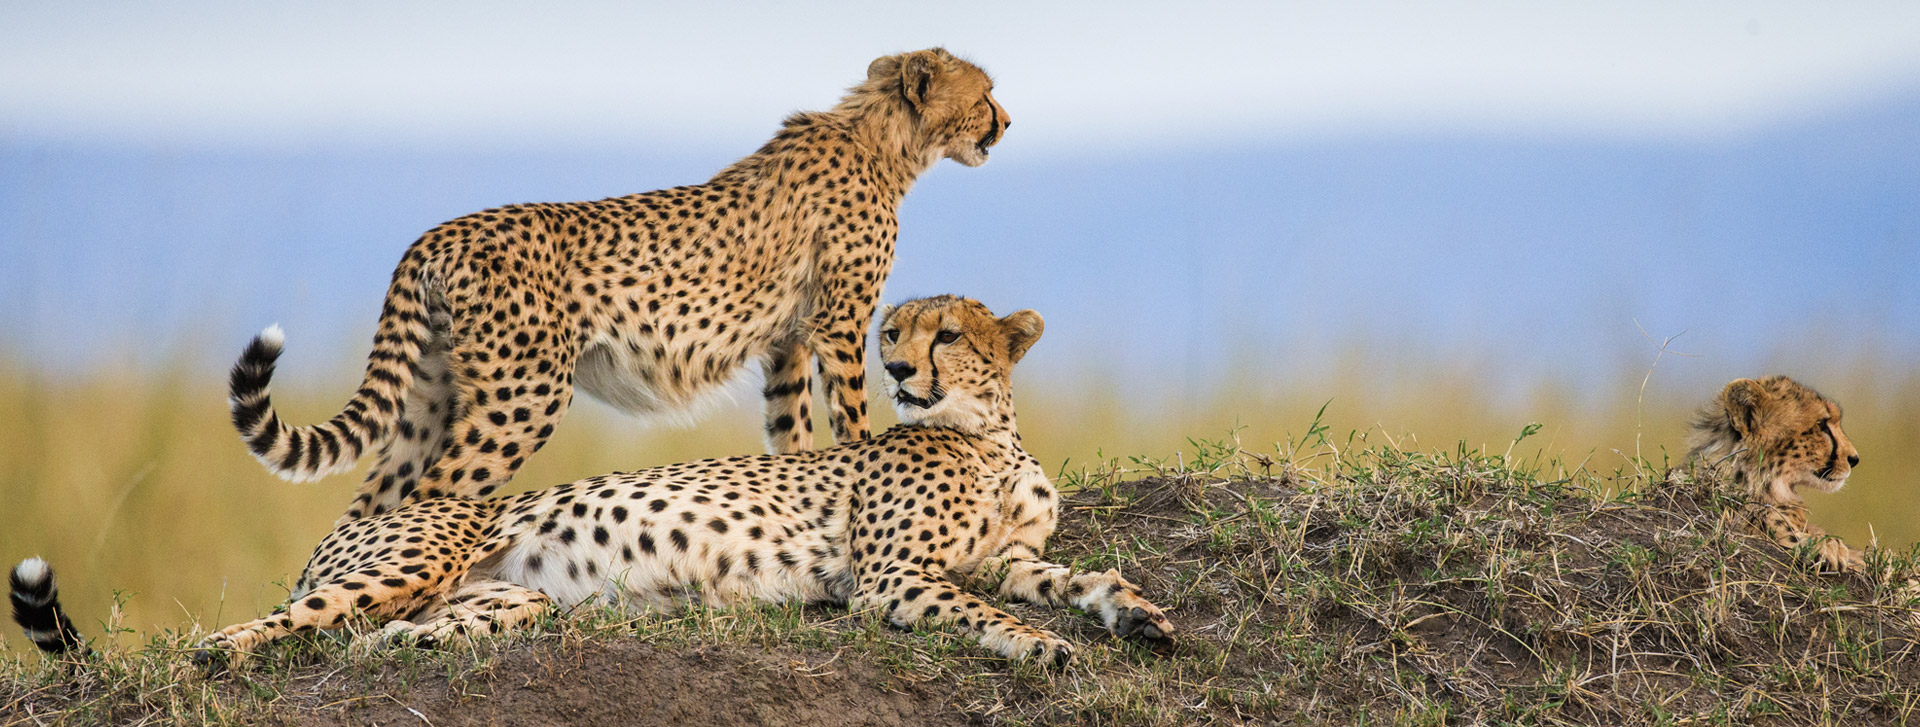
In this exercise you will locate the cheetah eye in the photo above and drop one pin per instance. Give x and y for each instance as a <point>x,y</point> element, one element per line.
<point>948,336</point>
<point>890,335</point>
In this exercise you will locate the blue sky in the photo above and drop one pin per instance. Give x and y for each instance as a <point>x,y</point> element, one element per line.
<point>1522,183</point>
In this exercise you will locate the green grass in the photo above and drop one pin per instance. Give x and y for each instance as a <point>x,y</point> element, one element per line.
<point>1327,579</point>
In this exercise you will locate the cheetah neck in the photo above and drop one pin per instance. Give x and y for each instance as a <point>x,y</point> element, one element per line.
<point>1763,486</point>
<point>888,153</point>
<point>998,441</point>
<point>893,137</point>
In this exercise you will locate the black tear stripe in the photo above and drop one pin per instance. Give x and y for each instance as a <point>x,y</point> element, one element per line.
<point>933,370</point>
<point>1833,453</point>
<point>993,119</point>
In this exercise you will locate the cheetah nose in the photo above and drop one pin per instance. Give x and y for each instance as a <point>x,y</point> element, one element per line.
<point>901,370</point>
<point>1853,460</point>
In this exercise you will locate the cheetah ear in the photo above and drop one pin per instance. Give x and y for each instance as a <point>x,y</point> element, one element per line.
<point>1744,400</point>
<point>885,312</point>
<point>917,71</point>
<point>1022,329</point>
<point>883,67</point>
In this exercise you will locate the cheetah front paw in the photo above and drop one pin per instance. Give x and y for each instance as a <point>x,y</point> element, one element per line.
<point>1836,557</point>
<point>210,660</point>
<point>1025,643</point>
<point>216,653</point>
<point>1127,613</point>
<point>1145,621</point>
<point>1050,650</point>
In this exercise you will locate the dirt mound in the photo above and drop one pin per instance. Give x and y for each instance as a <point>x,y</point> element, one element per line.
<point>622,682</point>
<point>1387,588</point>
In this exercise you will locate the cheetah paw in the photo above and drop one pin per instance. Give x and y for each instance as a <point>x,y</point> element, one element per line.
<point>425,636</point>
<point>1144,621</point>
<point>210,660</point>
<point>215,654</point>
<point>1130,614</point>
<point>430,635</point>
<point>1050,651</point>
<point>1836,557</point>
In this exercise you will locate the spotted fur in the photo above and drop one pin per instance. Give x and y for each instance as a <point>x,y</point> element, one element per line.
<point>1778,435</point>
<point>904,525</point>
<point>650,302</point>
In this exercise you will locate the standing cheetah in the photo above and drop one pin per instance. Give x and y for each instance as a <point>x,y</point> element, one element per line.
<point>649,302</point>
<point>885,524</point>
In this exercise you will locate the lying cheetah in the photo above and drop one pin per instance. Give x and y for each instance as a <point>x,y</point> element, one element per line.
<point>1780,435</point>
<point>885,524</point>
<point>649,302</point>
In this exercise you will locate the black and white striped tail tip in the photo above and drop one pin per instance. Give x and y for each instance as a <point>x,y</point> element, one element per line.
<point>36,607</point>
<point>247,385</point>
<point>256,363</point>
<point>255,367</point>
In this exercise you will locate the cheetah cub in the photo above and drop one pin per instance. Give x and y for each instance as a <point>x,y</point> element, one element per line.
<point>891,525</point>
<point>1779,436</point>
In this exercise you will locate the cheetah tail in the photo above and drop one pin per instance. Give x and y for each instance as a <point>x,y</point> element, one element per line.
<point>304,453</point>
<point>36,607</point>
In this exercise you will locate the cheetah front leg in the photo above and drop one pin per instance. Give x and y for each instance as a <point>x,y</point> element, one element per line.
<point>915,598</point>
<point>1787,526</point>
<point>837,336</point>
<point>789,394</point>
<point>1115,601</point>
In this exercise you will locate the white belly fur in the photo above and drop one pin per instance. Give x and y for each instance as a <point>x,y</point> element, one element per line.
<point>624,380</point>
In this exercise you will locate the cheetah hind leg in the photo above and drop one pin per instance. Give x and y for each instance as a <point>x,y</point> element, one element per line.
<point>418,439</point>
<point>325,607</point>
<point>478,607</point>
<point>357,581</point>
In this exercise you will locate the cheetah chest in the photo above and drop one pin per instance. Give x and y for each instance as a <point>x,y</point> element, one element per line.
<point>1017,508</point>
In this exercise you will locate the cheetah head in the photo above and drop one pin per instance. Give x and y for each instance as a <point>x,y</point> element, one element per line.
<point>950,100</point>
<point>949,361</point>
<point>1782,434</point>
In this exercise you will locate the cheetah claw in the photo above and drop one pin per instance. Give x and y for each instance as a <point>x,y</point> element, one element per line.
<point>210,660</point>
<point>1142,622</point>
<point>1053,654</point>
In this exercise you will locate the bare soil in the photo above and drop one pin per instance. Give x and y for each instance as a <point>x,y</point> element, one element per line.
<point>622,682</point>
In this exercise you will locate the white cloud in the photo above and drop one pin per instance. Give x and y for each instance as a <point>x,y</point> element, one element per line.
<point>1076,76</point>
